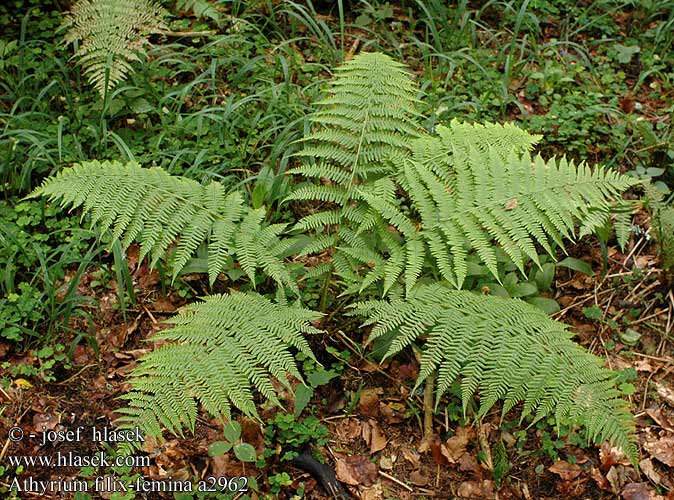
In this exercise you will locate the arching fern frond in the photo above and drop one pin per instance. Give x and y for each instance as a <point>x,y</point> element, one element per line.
<point>222,351</point>
<point>156,208</point>
<point>518,202</point>
<point>508,350</point>
<point>368,119</point>
<point>111,34</point>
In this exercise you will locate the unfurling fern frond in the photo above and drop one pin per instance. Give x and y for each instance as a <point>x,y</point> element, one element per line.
<point>222,351</point>
<point>111,34</point>
<point>515,200</point>
<point>156,208</point>
<point>505,349</point>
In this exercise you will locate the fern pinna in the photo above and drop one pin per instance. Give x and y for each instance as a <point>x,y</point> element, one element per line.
<point>220,350</point>
<point>156,208</point>
<point>508,350</point>
<point>111,35</point>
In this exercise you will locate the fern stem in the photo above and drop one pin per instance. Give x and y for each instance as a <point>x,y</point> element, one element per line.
<point>428,407</point>
<point>324,291</point>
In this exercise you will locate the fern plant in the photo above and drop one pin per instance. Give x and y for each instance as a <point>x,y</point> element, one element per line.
<point>111,35</point>
<point>466,197</point>
<point>464,188</point>
<point>229,346</point>
<point>398,205</point>
<point>221,349</point>
<point>508,350</point>
<point>467,190</point>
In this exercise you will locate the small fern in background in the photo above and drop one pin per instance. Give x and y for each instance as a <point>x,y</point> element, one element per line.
<point>221,350</point>
<point>157,209</point>
<point>508,350</point>
<point>111,35</point>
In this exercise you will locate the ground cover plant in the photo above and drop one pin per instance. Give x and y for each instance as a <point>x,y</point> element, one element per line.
<point>368,246</point>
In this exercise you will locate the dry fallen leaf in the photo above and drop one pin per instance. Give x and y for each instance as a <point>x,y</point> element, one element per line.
<point>477,489</point>
<point>455,446</point>
<point>646,466</point>
<point>665,393</point>
<point>601,481</point>
<point>610,456</point>
<point>418,479</point>
<point>662,450</point>
<point>660,418</point>
<point>348,429</point>
<point>468,463</point>
<point>376,492</point>
<point>565,470</point>
<point>377,439</point>
<point>636,491</point>
<point>356,470</point>
<point>412,457</point>
<point>368,404</point>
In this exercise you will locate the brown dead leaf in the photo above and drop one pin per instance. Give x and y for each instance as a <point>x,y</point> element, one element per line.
<point>369,366</point>
<point>455,446</point>
<point>618,476</point>
<point>511,204</point>
<point>386,463</point>
<point>393,413</point>
<point>433,444</point>
<point>477,489</point>
<point>646,466</point>
<point>662,450</point>
<point>610,456</point>
<point>412,457</point>
<point>148,280</point>
<point>4,349</point>
<point>468,463</point>
<point>636,491</point>
<point>377,439</point>
<point>348,429</point>
<point>418,479</point>
<point>356,470</point>
<point>119,334</point>
<point>660,418</point>
<point>44,422</point>
<point>376,492</point>
<point>599,478</point>
<point>163,305</point>
<point>565,470</point>
<point>368,404</point>
<point>665,393</point>
<point>83,355</point>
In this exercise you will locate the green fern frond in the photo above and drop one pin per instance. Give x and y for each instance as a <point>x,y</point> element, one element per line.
<point>150,205</point>
<point>518,202</point>
<point>111,34</point>
<point>369,117</point>
<point>222,351</point>
<point>508,350</point>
